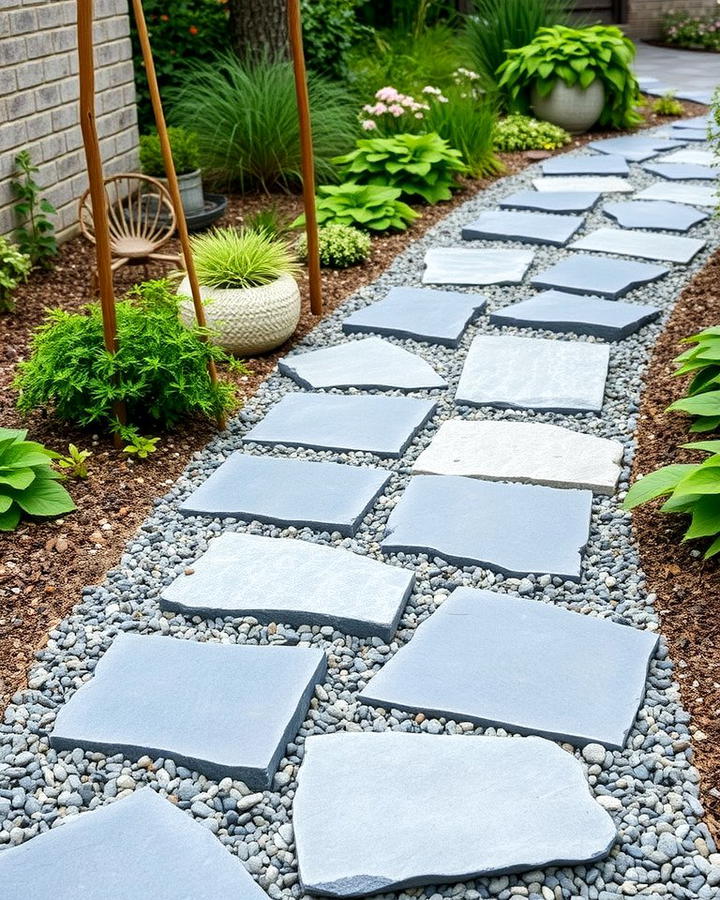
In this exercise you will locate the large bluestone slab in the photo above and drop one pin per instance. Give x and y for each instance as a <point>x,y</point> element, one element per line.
<point>321,495</point>
<point>692,194</point>
<point>654,215</point>
<point>666,247</point>
<point>534,373</point>
<point>528,227</point>
<point>429,809</point>
<point>528,452</point>
<point>140,846</point>
<point>703,122</point>
<point>604,184</point>
<point>462,265</point>
<point>636,148</point>
<point>698,135</point>
<point>612,320</point>
<point>523,665</point>
<point>293,581</point>
<point>692,156</point>
<point>370,363</point>
<point>515,529</point>
<point>372,424</point>
<point>225,710</point>
<point>589,164</point>
<point>583,274</point>
<point>552,202</point>
<point>438,317</point>
<point>679,171</point>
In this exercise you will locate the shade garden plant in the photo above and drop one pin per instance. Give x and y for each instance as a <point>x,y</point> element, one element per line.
<point>14,269</point>
<point>370,207</point>
<point>702,361</point>
<point>339,246</point>
<point>518,132</point>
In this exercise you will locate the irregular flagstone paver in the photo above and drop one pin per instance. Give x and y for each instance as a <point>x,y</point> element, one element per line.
<point>534,373</point>
<point>293,581</point>
<point>604,184</point>
<point>528,227</point>
<point>583,274</point>
<point>693,157</point>
<point>654,215</point>
<point>222,709</point>
<point>515,529</point>
<point>421,809</point>
<point>528,452</point>
<point>369,363</point>
<point>439,317</point>
<point>636,148</point>
<point>504,661</point>
<point>585,165</point>
<point>552,202</point>
<point>321,495</point>
<point>371,424</point>
<point>696,122</point>
<point>691,194</point>
<point>688,134</point>
<point>667,247</point>
<point>676,171</point>
<point>461,265</point>
<point>558,311</point>
<point>141,846</point>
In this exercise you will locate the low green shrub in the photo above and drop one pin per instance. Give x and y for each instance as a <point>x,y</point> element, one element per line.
<point>330,27</point>
<point>14,269</point>
<point>240,258</point>
<point>518,132</point>
<point>185,152</point>
<point>366,206</point>
<point>667,105</point>
<point>702,361</point>
<point>696,32</point>
<point>340,246</point>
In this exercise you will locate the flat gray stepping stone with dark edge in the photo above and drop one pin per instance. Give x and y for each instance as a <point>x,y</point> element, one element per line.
<point>140,846</point>
<point>692,194</point>
<point>635,148</point>
<point>371,424</point>
<point>380,812</point>
<point>523,665</point>
<point>689,134</point>
<point>558,311</point>
<point>321,495</point>
<point>585,165</point>
<point>222,709</point>
<point>692,156</point>
<point>583,274</point>
<point>528,227</point>
<point>654,215</point>
<point>553,202</point>
<point>438,317</point>
<point>696,122</point>
<point>462,265</point>
<point>605,184</point>
<point>534,373</point>
<point>515,529</point>
<point>667,247</point>
<point>675,171</point>
<point>370,363</point>
<point>293,581</point>
<point>528,452</point>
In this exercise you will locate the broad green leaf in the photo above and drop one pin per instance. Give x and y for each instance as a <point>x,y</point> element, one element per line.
<point>17,478</point>
<point>704,424</point>
<point>5,502</point>
<point>655,484</point>
<point>713,549</point>
<point>707,404</point>
<point>10,519</point>
<point>705,518</point>
<point>45,497</point>
<point>701,481</point>
<point>709,446</point>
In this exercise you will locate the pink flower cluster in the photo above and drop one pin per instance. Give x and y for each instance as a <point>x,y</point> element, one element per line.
<point>390,103</point>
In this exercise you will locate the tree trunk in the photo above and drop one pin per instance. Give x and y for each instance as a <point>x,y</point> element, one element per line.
<point>259,27</point>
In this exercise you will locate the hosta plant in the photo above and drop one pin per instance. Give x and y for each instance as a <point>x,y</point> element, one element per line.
<point>518,132</point>
<point>28,484</point>
<point>340,246</point>
<point>702,361</point>
<point>371,207</point>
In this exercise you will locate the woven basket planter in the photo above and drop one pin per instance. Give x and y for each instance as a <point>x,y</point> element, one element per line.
<point>573,108</point>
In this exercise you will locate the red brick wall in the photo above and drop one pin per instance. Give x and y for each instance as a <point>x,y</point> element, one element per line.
<point>643,18</point>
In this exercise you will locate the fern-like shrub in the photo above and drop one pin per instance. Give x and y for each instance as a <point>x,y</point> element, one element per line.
<point>240,258</point>
<point>340,246</point>
<point>14,269</point>
<point>370,207</point>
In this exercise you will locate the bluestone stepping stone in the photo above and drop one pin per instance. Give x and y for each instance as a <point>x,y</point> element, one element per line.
<point>371,424</point>
<point>552,202</point>
<point>438,317</point>
<point>675,171</point>
<point>528,452</point>
<point>667,247</point>
<point>583,274</point>
<point>558,311</point>
<point>379,812</point>
<point>523,665</point>
<point>321,495</point>
<point>515,529</point>
<point>141,846</point>
<point>225,710</point>
<point>654,215</point>
<point>293,581</point>
<point>370,363</point>
<point>635,148</point>
<point>585,165</point>
<point>462,265</point>
<point>696,122</point>
<point>692,156</point>
<point>534,373</point>
<point>528,227</point>
<point>604,184</point>
<point>689,134</point>
<point>688,194</point>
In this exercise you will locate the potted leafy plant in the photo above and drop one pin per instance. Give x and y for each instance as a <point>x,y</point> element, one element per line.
<point>251,299</point>
<point>574,77</point>
<point>186,157</point>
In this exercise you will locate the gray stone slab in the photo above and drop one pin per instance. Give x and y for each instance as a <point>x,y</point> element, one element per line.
<point>675,171</point>
<point>583,274</point>
<point>552,202</point>
<point>604,184</point>
<point>635,148</point>
<point>706,98</point>
<point>672,192</point>
<point>379,812</point>
<point>462,265</point>
<point>534,373</point>
<point>438,317</point>
<point>703,122</point>
<point>527,227</point>
<point>292,581</point>
<point>515,529</point>
<point>666,247</point>
<point>558,311</point>
<point>321,495</point>
<point>698,135</point>
<point>369,363</point>
<point>654,215</point>
<point>692,156</point>
<point>141,846</point>
<point>371,424</point>
<point>222,709</point>
<point>522,665</point>
<point>588,164</point>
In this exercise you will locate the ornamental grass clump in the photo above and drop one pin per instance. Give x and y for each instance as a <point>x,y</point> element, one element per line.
<point>518,132</point>
<point>340,246</point>
<point>702,361</point>
<point>467,122</point>
<point>240,258</point>
<point>370,207</point>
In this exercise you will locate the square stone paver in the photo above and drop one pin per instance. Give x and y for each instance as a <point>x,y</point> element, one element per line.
<point>635,148</point>
<point>222,709</point>
<point>552,202</point>
<point>438,317</point>
<point>604,184</point>
<point>325,496</point>
<point>463,265</point>
<point>528,227</point>
<point>528,452</point>
<point>141,846</point>
<point>583,274</point>
<point>510,528</point>
<point>692,156</point>
<point>667,247</point>
<point>371,424</point>
<point>293,581</point>
<point>674,192</point>
<point>654,215</point>
<point>534,373</point>
<point>588,164</point>
<point>523,665</point>
<point>677,171</point>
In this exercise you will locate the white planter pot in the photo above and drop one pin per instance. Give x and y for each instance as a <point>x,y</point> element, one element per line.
<point>191,191</point>
<point>573,108</point>
<point>247,321</point>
